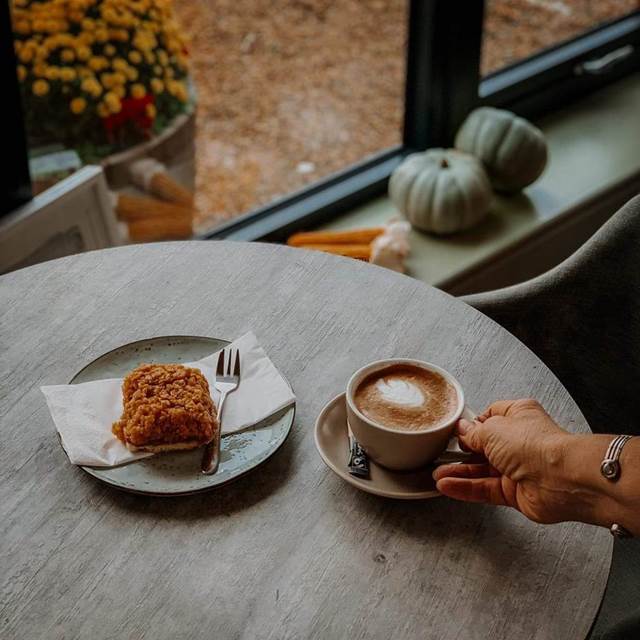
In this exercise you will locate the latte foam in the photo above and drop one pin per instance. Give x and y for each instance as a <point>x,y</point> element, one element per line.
<point>406,397</point>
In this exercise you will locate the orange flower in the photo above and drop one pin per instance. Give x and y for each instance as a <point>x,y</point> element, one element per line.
<point>78,105</point>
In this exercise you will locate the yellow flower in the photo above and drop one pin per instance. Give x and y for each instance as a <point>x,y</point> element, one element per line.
<point>119,77</point>
<point>97,63</point>
<point>78,105</point>
<point>40,69</point>
<point>157,70</point>
<point>40,88</point>
<point>109,50</point>
<point>22,72</point>
<point>119,64</point>
<point>163,58</point>
<point>84,37</point>
<point>52,73</point>
<point>102,110</point>
<point>25,55</point>
<point>150,110</point>
<point>102,34</point>
<point>112,101</point>
<point>132,74</point>
<point>88,24</point>
<point>138,91</point>
<point>168,72</point>
<point>67,74</point>
<point>92,87</point>
<point>182,93</point>
<point>135,57</point>
<point>119,35</point>
<point>83,52</point>
<point>67,55</point>
<point>157,85</point>
<point>120,91</point>
<point>182,61</point>
<point>22,27</point>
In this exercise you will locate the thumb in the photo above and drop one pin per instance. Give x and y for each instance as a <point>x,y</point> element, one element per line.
<point>472,435</point>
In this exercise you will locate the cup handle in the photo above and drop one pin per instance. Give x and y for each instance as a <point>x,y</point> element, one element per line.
<point>453,453</point>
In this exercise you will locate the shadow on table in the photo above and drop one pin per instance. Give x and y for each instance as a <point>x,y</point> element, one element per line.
<point>499,534</point>
<point>225,500</point>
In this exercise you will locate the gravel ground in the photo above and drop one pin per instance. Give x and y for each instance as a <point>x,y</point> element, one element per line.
<point>291,91</point>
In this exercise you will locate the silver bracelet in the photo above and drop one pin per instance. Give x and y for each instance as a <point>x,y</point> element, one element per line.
<point>610,469</point>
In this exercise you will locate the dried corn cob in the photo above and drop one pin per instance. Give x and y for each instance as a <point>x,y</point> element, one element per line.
<point>152,176</point>
<point>131,208</point>
<point>352,237</point>
<point>164,186</point>
<point>358,251</point>
<point>160,228</point>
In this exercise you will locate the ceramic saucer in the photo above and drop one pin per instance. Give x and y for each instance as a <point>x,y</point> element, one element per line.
<point>332,441</point>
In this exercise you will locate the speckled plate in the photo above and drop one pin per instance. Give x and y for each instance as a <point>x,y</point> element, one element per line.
<point>178,473</point>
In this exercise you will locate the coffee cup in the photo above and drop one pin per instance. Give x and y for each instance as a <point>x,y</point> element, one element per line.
<point>403,411</point>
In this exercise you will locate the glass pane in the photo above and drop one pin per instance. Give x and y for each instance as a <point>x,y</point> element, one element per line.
<point>288,95</point>
<point>517,29</point>
<point>245,100</point>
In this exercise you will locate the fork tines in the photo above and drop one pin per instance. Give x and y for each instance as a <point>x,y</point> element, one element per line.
<point>230,370</point>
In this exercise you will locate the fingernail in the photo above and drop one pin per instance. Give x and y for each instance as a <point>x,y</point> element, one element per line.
<point>464,426</point>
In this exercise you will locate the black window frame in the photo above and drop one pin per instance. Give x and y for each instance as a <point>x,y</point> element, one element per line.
<point>443,83</point>
<point>16,183</point>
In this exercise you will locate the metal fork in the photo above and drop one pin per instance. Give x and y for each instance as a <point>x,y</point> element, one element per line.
<point>226,382</point>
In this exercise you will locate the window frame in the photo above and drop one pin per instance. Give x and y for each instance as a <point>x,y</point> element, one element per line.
<point>549,79</point>
<point>443,84</point>
<point>16,188</point>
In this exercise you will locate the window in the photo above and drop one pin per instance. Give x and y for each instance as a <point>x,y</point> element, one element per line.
<point>516,30</point>
<point>304,112</point>
<point>288,97</point>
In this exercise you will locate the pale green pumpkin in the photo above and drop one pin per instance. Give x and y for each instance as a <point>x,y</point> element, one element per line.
<point>441,190</point>
<point>512,149</point>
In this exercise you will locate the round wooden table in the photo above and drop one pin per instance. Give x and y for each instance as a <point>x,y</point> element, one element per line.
<point>289,551</point>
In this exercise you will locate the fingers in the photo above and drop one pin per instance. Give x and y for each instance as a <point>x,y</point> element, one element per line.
<point>464,471</point>
<point>499,408</point>
<point>507,408</point>
<point>471,435</point>
<point>486,490</point>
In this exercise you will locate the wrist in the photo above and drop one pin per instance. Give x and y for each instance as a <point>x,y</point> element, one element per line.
<point>582,456</point>
<point>603,502</point>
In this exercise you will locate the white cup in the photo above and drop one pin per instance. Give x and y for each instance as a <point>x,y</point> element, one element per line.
<point>401,449</point>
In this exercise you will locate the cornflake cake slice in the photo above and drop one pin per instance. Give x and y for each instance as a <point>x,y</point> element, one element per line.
<point>166,407</point>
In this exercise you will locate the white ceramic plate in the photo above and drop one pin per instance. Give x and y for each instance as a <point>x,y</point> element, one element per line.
<point>332,442</point>
<point>178,473</point>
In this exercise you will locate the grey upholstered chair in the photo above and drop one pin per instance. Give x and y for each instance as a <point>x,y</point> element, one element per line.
<point>582,319</point>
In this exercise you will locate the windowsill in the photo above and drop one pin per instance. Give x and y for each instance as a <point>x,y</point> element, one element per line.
<point>593,155</point>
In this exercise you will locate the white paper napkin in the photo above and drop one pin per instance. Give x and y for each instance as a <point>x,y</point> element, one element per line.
<point>84,413</point>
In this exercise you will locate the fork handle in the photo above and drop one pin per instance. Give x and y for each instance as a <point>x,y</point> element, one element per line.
<point>211,455</point>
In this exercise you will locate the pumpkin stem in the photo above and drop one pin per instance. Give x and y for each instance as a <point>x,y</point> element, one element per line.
<point>444,164</point>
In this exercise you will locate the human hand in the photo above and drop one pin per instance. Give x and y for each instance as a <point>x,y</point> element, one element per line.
<point>525,464</point>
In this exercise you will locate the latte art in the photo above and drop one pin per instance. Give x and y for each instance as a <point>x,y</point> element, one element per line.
<point>398,391</point>
<point>406,397</point>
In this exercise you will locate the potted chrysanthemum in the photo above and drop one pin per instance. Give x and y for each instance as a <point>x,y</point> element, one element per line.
<point>99,76</point>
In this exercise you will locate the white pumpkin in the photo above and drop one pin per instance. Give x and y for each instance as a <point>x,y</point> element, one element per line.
<point>513,150</point>
<point>441,190</point>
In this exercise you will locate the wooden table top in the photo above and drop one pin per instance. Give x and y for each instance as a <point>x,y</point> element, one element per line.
<point>289,551</point>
